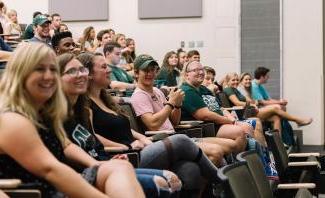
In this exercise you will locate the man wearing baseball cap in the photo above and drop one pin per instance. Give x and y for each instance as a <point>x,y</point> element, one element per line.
<point>159,113</point>
<point>149,102</point>
<point>41,30</point>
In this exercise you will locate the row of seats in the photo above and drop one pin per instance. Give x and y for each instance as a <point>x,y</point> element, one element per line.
<point>246,178</point>
<point>295,167</point>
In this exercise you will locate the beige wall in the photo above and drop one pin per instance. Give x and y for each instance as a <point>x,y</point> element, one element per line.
<point>219,30</point>
<point>303,64</point>
<point>25,9</point>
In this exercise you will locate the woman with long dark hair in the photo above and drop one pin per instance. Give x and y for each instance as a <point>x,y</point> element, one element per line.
<point>168,71</point>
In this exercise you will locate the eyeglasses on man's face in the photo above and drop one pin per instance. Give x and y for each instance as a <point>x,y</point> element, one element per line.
<point>73,72</point>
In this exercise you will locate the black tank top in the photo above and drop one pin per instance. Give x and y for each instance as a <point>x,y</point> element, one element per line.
<point>85,139</point>
<point>9,168</point>
<point>113,127</point>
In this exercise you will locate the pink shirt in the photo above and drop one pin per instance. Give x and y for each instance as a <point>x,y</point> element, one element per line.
<point>144,102</point>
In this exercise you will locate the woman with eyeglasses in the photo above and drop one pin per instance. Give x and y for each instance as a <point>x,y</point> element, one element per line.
<point>194,106</point>
<point>74,77</point>
<point>110,122</point>
<point>33,144</point>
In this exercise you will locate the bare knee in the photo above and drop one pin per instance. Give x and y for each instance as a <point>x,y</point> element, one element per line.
<point>276,108</point>
<point>227,145</point>
<point>113,166</point>
<point>217,151</point>
<point>216,155</point>
<point>240,132</point>
<point>232,146</point>
<point>119,164</point>
<point>236,131</point>
<point>245,128</point>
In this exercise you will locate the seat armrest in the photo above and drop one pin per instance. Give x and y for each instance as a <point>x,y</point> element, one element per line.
<point>183,126</point>
<point>296,186</point>
<point>193,132</point>
<point>169,132</point>
<point>193,123</point>
<point>32,193</point>
<point>133,155</point>
<point>304,154</point>
<point>9,183</point>
<point>297,164</point>
<point>115,149</point>
<point>234,108</point>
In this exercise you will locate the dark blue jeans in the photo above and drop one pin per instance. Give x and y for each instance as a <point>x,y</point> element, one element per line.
<point>146,179</point>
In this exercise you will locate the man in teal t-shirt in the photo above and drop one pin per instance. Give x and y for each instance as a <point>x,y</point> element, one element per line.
<point>259,92</point>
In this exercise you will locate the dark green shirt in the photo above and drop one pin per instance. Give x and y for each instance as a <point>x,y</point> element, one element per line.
<point>233,91</point>
<point>118,74</point>
<point>169,78</point>
<point>195,99</point>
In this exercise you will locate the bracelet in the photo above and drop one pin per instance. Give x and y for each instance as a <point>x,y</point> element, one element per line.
<point>169,104</point>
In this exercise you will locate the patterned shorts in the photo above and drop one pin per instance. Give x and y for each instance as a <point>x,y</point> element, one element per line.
<point>90,174</point>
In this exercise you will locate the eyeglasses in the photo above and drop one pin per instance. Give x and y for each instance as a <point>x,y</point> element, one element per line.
<point>73,72</point>
<point>148,70</point>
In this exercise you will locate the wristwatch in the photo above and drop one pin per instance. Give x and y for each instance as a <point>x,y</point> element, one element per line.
<point>169,104</point>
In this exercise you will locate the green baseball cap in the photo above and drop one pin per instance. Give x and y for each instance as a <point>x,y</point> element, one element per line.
<point>144,61</point>
<point>40,20</point>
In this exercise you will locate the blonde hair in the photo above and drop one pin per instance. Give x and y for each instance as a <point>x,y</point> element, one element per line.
<point>184,71</point>
<point>15,98</point>
<point>116,37</point>
<point>228,77</point>
<point>242,76</point>
<point>11,12</point>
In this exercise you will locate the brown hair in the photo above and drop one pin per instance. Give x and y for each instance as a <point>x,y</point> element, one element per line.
<point>165,63</point>
<point>78,111</point>
<point>87,59</point>
<point>208,69</point>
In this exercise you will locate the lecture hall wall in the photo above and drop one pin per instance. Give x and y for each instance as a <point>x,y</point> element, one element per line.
<point>219,29</point>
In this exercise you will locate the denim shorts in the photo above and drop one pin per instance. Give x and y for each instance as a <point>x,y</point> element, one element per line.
<point>90,174</point>
<point>251,122</point>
